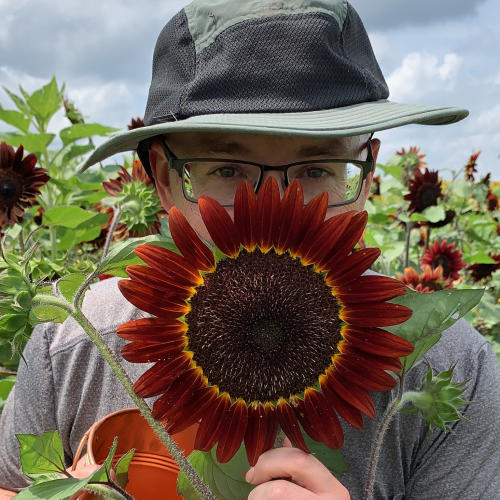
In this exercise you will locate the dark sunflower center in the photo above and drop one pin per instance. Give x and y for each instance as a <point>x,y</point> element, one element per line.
<point>263,326</point>
<point>443,261</point>
<point>10,190</point>
<point>427,195</point>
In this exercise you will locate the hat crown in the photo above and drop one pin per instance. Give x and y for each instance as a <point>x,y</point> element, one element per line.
<point>228,56</point>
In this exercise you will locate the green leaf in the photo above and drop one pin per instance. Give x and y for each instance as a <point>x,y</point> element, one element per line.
<point>45,102</point>
<point>333,460</point>
<point>15,118</point>
<point>76,151</point>
<point>18,101</point>
<point>34,143</point>
<point>225,480</point>
<point>41,454</point>
<point>479,258</point>
<point>69,284</point>
<point>57,489</point>
<point>121,468</point>
<point>88,231</point>
<point>42,314</point>
<point>12,322</point>
<point>103,474</point>
<point>418,217</point>
<point>432,313</point>
<point>395,170</point>
<point>6,385</point>
<point>434,213</point>
<point>83,130</point>
<point>67,216</point>
<point>462,188</point>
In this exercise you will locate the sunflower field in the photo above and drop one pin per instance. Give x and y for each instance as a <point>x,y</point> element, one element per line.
<point>436,229</point>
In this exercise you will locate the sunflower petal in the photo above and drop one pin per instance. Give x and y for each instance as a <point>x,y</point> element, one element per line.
<point>352,266</point>
<point>290,214</point>
<point>353,394</point>
<point>244,215</point>
<point>370,378</point>
<point>324,419</point>
<point>150,278</point>
<point>188,242</point>
<point>153,301</point>
<point>192,411</point>
<point>169,264</point>
<point>371,288</point>
<point>375,314</point>
<point>234,426</point>
<point>377,341</point>
<point>347,242</point>
<point>211,425</point>
<point>147,352</point>
<point>288,422</point>
<point>382,362</point>
<point>348,412</point>
<point>158,378</point>
<point>219,225</point>
<point>152,329</point>
<point>272,426</point>
<point>256,433</point>
<point>268,205</point>
<point>312,216</point>
<point>178,393</point>
<point>298,405</point>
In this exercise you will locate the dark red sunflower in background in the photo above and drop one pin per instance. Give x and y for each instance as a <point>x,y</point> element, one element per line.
<point>470,167</point>
<point>445,255</point>
<point>414,158</point>
<point>425,190</point>
<point>136,123</point>
<point>483,271</point>
<point>73,114</point>
<point>430,280</point>
<point>20,182</point>
<point>491,201</point>
<point>144,210</point>
<point>283,330</point>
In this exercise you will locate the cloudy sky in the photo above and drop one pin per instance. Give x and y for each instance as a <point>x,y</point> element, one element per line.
<point>443,52</point>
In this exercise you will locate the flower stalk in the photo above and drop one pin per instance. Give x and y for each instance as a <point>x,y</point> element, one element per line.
<point>113,362</point>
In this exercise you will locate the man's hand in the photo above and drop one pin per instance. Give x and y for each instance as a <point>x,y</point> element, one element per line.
<point>83,470</point>
<point>289,473</point>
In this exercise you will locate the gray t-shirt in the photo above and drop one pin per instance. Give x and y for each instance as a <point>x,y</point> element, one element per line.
<point>67,386</point>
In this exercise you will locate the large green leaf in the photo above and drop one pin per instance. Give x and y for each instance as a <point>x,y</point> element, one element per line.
<point>18,101</point>
<point>435,213</point>
<point>225,480</point>
<point>15,118</point>
<point>34,143</point>
<point>67,216</point>
<point>432,313</point>
<point>479,258</point>
<point>75,151</point>
<point>69,284</point>
<point>45,102</point>
<point>87,231</point>
<point>6,385</point>
<point>41,454</point>
<point>121,468</point>
<point>83,130</point>
<point>45,313</point>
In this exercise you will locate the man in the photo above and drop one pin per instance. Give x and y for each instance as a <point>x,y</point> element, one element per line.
<point>266,84</point>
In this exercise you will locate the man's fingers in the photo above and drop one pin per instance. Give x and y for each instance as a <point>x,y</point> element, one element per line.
<point>280,489</point>
<point>296,466</point>
<point>82,469</point>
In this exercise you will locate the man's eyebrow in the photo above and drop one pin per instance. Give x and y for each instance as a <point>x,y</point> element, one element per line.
<point>319,150</point>
<point>230,148</point>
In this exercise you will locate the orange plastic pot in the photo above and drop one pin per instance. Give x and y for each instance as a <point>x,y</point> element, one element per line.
<point>153,472</point>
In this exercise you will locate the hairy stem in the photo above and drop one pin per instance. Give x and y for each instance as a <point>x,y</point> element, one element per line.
<point>408,226</point>
<point>111,230</point>
<point>113,362</point>
<point>377,445</point>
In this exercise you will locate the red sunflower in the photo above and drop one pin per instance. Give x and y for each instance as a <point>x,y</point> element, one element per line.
<point>470,168</point>
<point>482,271</point>
<point>143,209</point>
<point>430,280</point>
<point>136,123</point>
<point>282,331</point>
<point>425,190</point>
<point>491,201</point>
<point>20,181</point>
<point>414,156</point>
<point>445,255</point>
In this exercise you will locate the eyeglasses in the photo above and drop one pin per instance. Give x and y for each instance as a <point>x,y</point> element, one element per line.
<point>218,178</point>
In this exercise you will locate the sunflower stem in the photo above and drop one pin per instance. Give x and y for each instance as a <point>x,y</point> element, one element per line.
<point>200,487</point>
<point>116,217</point>
<point>409,226</point>
<point>377,445</point>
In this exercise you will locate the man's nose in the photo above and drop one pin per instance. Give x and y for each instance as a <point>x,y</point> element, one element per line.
<point>280,179</point>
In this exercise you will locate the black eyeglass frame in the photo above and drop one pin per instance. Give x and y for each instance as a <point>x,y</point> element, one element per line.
<point>178,164</point>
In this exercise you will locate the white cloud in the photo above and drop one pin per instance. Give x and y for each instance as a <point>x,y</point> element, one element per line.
<point>422,73</point>
<point>488,120</point>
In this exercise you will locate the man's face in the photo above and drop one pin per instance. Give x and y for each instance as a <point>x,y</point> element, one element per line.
<point>261,149</point>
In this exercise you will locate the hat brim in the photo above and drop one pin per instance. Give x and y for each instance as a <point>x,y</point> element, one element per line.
<point>338,122</point>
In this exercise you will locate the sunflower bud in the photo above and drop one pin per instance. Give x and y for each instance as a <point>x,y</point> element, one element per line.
<point>438,399</point>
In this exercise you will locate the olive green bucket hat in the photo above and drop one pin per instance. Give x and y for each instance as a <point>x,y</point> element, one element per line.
<point>284,67</point>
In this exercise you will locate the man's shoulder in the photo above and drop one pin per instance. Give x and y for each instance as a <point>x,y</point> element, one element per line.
<point>104,306</point>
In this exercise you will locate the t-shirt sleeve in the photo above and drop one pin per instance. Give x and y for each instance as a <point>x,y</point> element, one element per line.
<point>465,462</point>
<point>30,407</point>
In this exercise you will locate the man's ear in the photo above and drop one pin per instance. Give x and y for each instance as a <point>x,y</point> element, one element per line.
<point>375,144</point>
<point>159,168</point>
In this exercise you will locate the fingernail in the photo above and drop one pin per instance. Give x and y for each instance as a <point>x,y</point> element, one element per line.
<point>249,475</point>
